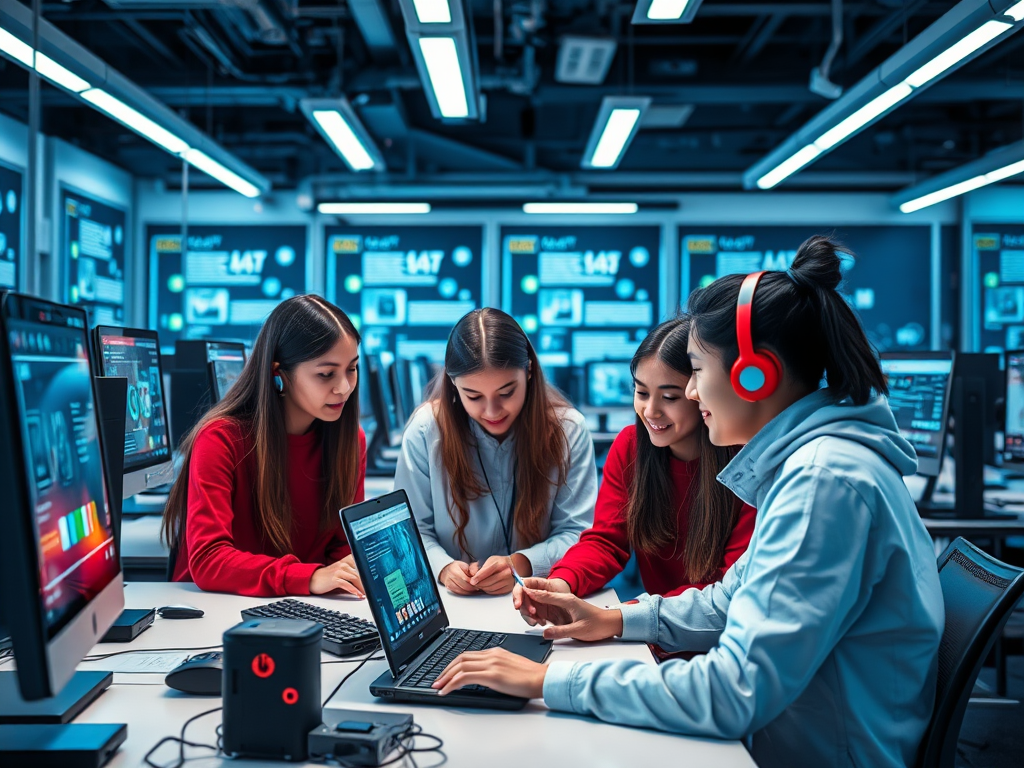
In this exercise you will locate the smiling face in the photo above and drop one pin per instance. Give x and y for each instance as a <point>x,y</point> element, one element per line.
<point>319,388</point>
<point>493,397</point>
<point>659,400</point>
<point>730,419</point>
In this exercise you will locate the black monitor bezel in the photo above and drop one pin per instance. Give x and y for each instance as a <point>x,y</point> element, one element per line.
<point>139,333</point>
<point>927,466</point>
<point>19,550</point>
<point>397,660</point>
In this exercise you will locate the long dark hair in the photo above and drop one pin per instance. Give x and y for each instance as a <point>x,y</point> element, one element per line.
<point>489,338</point>
<point>799,316</point>
<point>299,329</point>
<point>651,511</point>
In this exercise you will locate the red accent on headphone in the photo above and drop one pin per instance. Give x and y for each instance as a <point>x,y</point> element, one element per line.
<point>290,696</point>
<point>756,372</point>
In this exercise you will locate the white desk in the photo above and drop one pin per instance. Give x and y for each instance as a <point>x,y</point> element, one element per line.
<point>473,738</point>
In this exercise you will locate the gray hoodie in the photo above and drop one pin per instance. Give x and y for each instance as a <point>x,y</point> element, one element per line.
<point>822,640</point>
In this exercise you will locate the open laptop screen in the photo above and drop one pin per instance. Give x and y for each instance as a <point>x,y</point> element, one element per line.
<point>396,569</point>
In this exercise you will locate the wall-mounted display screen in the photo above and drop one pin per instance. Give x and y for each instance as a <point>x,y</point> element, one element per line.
<point>93,253</point>
<point>231,278</point>
<point>886,274</point>
<point>584,295</point>
<point>405,287</point>
<point>999,254</point>
<point>11,213</point>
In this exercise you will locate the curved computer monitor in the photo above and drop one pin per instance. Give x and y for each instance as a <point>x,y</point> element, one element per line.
<point>919,388</point>
<point>61,574</point>
<point>135,354</point>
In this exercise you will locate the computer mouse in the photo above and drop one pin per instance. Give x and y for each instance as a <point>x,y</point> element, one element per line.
<point>179,612</point>
<point>199,675</point>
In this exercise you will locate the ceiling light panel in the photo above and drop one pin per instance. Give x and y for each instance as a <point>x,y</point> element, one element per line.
<point>616,124</point>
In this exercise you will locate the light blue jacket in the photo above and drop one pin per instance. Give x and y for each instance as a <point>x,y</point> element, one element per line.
<point>422,475</point>
<point>822,639</point>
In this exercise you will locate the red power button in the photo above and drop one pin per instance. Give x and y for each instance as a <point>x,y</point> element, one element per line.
<point>263,666</point>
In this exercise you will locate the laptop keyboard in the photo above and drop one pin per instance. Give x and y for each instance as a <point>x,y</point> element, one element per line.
<point>457,641</point>
<point>344,635</point>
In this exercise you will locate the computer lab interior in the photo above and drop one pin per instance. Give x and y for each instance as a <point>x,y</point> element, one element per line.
<point>174,175</point>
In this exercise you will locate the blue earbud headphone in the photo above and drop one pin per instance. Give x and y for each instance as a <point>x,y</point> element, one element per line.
<point>279,384</point>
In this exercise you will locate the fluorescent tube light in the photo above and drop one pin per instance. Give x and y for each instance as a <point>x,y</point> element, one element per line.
<point>344,139</point>
<point>211,167</point>
<point>662,10</point>
<point>788,167</point>
<point>863,116</point>
<point>135,120</point>
<point>615,208</point>
<point>944,194</point>
<point>445,72</point>
<point>15,48</point>
<point>433,11</point>
<point>61,75</point>
<point>1016,12</point>
<point>958,52</point>
<point>617,132</point>
<point>373,208</point>
<point>1005,172</point>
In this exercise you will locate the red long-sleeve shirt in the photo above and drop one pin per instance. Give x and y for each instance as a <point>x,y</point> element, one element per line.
<point>221,550</point>
<point>603,550</point>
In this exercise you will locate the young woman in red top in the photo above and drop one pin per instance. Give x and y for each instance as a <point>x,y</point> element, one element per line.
<point>659,496</point>
<point>254,510</point>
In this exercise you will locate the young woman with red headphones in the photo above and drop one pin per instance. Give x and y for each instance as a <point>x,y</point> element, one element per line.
<point>822,640</point>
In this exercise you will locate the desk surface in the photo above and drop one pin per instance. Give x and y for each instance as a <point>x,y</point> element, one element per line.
<point>534,736</point>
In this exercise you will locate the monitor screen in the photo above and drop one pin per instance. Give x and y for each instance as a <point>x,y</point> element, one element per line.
<point>135,354</point>
<point>227,360</point>
<point>397,566</point>
<point>919,398</point>
<point>1014,427</point>
<point>609,385</point>
<point>62,453</point>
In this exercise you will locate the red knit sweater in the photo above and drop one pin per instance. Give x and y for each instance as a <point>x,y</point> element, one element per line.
<point>221,550</point>
<point>603,550</point>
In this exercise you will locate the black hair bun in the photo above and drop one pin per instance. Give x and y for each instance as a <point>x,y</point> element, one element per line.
<point>817,262</point>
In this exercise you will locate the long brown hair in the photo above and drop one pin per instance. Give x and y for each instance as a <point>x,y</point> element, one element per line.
<point>299,329</point>
<point>489,338</point>
<point>651,512</point>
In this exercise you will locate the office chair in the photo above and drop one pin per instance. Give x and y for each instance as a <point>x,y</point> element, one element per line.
<point>979,593</point>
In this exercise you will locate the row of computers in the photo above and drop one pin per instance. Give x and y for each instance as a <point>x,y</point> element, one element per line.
<point>969,400</point>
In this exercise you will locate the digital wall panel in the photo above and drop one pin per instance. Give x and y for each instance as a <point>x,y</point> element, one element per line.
<point>999,254</point>
<point>11,215</point>
<point>93,257</point>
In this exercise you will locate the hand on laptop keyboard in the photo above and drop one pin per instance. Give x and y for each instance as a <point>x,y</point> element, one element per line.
<point>458,642</point>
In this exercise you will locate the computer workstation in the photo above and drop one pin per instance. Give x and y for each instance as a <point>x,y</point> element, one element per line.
<point>203,373</point>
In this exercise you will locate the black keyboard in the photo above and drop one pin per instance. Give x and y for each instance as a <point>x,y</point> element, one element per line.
<point>457,641</point>
<point>344,635</point>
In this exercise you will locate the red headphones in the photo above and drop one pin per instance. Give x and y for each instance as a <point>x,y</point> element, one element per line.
<point>756,372</point>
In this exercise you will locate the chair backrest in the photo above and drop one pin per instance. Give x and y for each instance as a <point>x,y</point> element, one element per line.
<point>978,592</point>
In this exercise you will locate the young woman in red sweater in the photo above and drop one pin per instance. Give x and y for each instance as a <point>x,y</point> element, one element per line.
<point>254,510</point>
<point>659,496</point>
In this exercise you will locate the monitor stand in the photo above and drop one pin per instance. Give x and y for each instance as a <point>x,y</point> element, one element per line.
<point>81,691</point>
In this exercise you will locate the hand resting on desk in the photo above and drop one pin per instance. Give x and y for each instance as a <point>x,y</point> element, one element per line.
<point>510,673</point>
<point>340,575</point>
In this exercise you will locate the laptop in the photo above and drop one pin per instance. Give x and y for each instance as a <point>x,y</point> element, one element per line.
<point>414,631</point>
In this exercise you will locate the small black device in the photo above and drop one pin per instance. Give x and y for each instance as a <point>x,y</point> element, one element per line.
<point>200,675</point>
<point>180,612</point>
<point>61,746</point>
<point>344,635</point>
<point>130,624</point>
<point>272,688</point>
<point>358,738</point>
<point>413,625</point>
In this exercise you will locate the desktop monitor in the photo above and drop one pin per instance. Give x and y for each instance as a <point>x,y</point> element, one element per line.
<point>919,389</point>
<point>61,575</point>
<point>609,385</point>
<point>226,360</point>
<point>135,354</point>
<point>1013,429</point>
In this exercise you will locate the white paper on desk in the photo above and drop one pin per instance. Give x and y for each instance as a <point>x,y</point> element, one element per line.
<point>157,663</point>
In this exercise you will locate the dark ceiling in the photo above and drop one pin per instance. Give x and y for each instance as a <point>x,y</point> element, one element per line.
<point>237,68</point>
